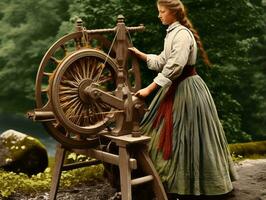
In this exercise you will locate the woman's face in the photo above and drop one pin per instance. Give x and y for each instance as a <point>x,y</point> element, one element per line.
<point>166,16</point>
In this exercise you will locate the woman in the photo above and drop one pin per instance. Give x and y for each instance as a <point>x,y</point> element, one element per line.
<point>188,145</point>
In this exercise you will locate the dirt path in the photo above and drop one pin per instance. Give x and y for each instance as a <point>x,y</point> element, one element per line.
<point>251,184</point>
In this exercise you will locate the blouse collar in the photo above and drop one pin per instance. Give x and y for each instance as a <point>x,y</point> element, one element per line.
<point>172,26</point>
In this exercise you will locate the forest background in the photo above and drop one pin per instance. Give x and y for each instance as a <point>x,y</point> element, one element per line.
<point>233,33</point>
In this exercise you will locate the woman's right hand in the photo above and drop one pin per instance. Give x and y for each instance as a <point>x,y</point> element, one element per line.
<point>144,92</point>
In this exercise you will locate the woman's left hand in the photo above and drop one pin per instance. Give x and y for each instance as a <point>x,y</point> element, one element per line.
<point>138,53</point>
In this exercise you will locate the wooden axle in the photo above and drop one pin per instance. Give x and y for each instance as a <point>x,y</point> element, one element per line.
<point>39,115</point>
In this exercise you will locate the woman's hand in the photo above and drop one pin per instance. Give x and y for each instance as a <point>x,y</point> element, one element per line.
<point>142,93</point>
<point>134,50</point>
<point>138,53</point>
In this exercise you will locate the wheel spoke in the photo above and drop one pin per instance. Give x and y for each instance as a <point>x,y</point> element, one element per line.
<point>56,61</point>
<point>69,91</point>
<point>99,71</point>
<point>92,66</point>
<point>47,74</point>
<point>73,75</point>
<point>65,105</point>
<point>63,47</point>
<point>70,83</point>
<point>84,68</point>
<point>104,79</point>
<point>76,69</point>
<point>68,97</point>
<point>75,113</point>
<point>71,110</point>
<point>78,114</point>
<point>45,90</point>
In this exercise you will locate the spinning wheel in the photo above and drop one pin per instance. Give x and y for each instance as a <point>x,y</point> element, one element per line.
<point>84,89</point>
<point>79,61</point>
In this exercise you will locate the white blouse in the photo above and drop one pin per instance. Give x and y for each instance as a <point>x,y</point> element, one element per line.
<point>180,49</point>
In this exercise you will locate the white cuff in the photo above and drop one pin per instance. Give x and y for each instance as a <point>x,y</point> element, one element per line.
<point>161,80</point>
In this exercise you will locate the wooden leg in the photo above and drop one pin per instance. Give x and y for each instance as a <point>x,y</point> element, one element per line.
<point>145,163</point>
<point>125,173</point>
<point>59,161</point>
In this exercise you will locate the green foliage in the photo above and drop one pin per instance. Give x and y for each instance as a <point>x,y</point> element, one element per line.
<point>248,149</point>
<point>27,27</point>
<point>11,182</point>
<point>233,33</point>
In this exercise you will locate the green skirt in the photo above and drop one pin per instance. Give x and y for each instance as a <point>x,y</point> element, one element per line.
<point>200,161</point>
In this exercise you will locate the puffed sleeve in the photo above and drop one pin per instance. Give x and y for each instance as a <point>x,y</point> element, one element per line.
<point>177,59</point>
<point>156,62</point>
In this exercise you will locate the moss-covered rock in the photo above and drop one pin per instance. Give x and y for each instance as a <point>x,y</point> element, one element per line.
<point>22,153</point>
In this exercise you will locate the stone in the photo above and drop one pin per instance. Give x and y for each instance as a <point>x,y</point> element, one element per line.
<point>20,152</point>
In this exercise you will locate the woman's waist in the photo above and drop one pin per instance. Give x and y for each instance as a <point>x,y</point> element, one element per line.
<point>188,71</point>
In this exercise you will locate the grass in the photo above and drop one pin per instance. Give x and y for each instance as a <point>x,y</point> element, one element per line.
<point>251,150</point>
<point>11,182</point>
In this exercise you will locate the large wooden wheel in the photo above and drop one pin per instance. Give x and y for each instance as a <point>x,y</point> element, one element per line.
<point>71,64</point>
<point>74,109</point>
<point>58,52</point>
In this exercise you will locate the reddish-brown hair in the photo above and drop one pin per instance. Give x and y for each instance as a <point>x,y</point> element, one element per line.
<point>181,13</point>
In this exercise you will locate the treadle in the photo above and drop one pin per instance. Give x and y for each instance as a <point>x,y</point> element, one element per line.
<point>80,165</point>
<point>141,180</point>
<point>126,164</point>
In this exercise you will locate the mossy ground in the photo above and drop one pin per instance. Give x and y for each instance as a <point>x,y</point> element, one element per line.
<point>12,183</point>
<point>21,183</point>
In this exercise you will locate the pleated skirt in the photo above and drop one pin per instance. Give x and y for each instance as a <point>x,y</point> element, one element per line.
<point>200,162</point>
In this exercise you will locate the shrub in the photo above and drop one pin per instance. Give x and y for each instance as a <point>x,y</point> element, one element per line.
<point>248,149</point>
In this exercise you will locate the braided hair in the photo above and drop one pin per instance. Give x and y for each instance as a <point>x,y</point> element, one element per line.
<point>178,7</point>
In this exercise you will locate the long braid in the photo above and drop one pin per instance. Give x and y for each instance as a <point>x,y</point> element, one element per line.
<point>178,7</point>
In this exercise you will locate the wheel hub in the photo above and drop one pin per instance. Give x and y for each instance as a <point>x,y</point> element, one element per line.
<point>81,88</point>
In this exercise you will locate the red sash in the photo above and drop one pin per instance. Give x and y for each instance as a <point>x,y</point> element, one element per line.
<point>165,112</point>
